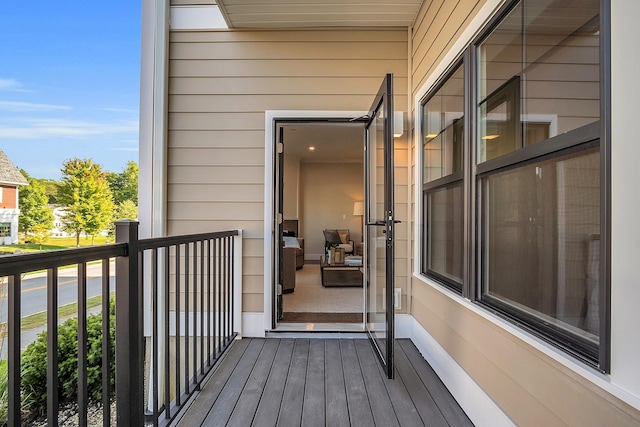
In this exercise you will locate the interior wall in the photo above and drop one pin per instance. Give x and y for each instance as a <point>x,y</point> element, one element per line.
<point>329,191</point>
<point>533,383</point>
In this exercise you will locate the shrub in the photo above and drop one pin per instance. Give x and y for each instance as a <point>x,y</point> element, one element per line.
<point>34,365</point>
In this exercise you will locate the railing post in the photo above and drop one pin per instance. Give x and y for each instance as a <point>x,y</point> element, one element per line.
<point>129,330</point>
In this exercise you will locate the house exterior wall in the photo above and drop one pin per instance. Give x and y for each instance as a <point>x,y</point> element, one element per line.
<point>8,197</point>
<point>530,381</point>
<point>220,85</point>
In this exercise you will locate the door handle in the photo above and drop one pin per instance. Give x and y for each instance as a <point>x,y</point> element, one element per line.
<point>377,223</point>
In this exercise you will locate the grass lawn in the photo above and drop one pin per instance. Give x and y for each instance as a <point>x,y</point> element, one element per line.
<point>53,243</point>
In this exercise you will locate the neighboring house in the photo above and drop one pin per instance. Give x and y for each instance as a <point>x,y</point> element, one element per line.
<point>58,225</point>
<point>515,176</point>
<point>10,181</point>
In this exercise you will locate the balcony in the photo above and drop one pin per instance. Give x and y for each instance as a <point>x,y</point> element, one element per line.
<point>177,357</point>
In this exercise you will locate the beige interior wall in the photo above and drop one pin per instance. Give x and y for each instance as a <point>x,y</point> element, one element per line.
<point>221,83</point>
<point>328,193</point>
<point>531,387</point>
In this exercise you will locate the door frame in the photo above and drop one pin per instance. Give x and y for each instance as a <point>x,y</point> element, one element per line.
<point>271,117</point>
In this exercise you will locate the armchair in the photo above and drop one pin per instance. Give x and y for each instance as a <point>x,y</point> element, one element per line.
<point>340,238</point>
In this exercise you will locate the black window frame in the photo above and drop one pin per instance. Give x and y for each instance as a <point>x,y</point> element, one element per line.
<point>444,182</point>
<point>595,134</point>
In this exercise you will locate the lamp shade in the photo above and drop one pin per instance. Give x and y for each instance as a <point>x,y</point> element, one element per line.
<point>358,208</point>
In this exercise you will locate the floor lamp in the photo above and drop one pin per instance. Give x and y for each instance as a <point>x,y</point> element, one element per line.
<point>358,209</point>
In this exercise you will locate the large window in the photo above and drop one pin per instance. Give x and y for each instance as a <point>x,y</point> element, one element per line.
<point>443,149</point>
<point>534,179</point>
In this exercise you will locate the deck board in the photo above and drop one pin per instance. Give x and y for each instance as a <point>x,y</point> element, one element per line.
<point>313,413</point>
<point>269,406</point>
<point>322,382</point>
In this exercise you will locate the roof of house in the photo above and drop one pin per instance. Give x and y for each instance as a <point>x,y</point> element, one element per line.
<point>9,173</point>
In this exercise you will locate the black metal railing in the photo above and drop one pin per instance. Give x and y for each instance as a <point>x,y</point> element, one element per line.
<point>176,301</point>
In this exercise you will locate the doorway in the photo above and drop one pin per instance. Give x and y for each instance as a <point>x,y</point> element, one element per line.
<point>319,188</point>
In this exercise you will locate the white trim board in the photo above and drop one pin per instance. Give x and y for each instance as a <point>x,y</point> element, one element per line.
<point>270,118</point>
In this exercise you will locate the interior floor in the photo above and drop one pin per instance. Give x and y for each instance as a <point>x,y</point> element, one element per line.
<point>312,303</point>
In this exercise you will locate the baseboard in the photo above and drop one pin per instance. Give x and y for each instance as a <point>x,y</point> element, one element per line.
<point>478,406</point>
<point>253,324</point>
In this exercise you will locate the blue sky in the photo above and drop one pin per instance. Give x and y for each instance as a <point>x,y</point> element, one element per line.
<point>69,83</point>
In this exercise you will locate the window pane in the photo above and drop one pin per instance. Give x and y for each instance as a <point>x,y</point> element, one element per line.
<point>553,50</point>
<point>445,227</point>
<point>443,129</point>
<point>540,238</point>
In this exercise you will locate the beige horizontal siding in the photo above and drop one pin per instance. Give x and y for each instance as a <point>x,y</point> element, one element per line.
<point>532,388</point>
<point>220,84</point>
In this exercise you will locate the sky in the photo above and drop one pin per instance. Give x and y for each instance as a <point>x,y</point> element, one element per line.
<point>69,83</point>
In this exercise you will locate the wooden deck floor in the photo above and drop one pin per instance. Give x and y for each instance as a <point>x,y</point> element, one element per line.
<point>322,382</point>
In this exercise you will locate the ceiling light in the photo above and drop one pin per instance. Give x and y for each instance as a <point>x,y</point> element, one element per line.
<point>312,148</point>
<point>487,137</point>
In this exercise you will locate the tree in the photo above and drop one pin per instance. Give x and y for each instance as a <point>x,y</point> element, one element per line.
<point>124,185</point>
<point>85,194</point>
<point>36,219</point>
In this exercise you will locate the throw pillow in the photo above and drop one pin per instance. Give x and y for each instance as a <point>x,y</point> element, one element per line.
<point>344,236</point>
<point>291,242</point>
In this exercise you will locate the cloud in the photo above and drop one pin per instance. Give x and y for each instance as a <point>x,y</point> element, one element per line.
<point>9,84</point>
<point>121,110</point>
<point>21,107</point>
<point>129,149</point>
<point>48,128</point>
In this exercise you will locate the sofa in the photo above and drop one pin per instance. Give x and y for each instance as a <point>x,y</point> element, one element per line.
<point>288,270</point>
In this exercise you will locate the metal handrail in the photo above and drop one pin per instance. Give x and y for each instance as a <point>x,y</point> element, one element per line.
<point>199,267</point>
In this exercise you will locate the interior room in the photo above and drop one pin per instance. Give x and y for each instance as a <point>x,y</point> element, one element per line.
<point>323,191</point>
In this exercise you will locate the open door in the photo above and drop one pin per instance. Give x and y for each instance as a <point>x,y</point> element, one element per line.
<point>379,226</point>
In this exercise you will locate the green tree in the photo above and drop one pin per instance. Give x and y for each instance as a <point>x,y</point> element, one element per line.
<point>124,185</point>
<point>36,219</point>
<point>85,194</point>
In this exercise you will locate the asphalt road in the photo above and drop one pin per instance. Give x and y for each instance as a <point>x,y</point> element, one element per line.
<point>34,289</point>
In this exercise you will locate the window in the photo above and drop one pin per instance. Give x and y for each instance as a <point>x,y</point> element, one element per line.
<point>533,175</point>
<point>443,149</point>
<point>5,229</point>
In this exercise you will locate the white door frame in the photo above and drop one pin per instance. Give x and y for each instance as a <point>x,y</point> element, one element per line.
<point>270,117</point>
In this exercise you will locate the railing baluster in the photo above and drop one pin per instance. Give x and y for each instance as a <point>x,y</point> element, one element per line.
<point>186,317</point>
<point>231,285</point>
<point>167,336</point>
<point>202,278</point>
<point>209,302</point>
<point>195,315</point>
<point>219,308</point>
<point>52,347</point>
<point>14,315</point>
<point>154,338</point>
<point>178,334</point>
<point>83,395</point>
<point>106,345</point>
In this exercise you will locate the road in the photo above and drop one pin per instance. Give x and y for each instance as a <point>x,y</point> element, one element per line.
<point>34,289</point>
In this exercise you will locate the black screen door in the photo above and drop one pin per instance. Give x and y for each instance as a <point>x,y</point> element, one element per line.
<point>379,225</point>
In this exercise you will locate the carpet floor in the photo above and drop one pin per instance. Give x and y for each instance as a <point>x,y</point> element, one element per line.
<point>310,297</point>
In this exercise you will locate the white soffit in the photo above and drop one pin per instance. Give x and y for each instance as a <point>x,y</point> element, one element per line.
<point>199,17</point>
<point>317,13</point>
